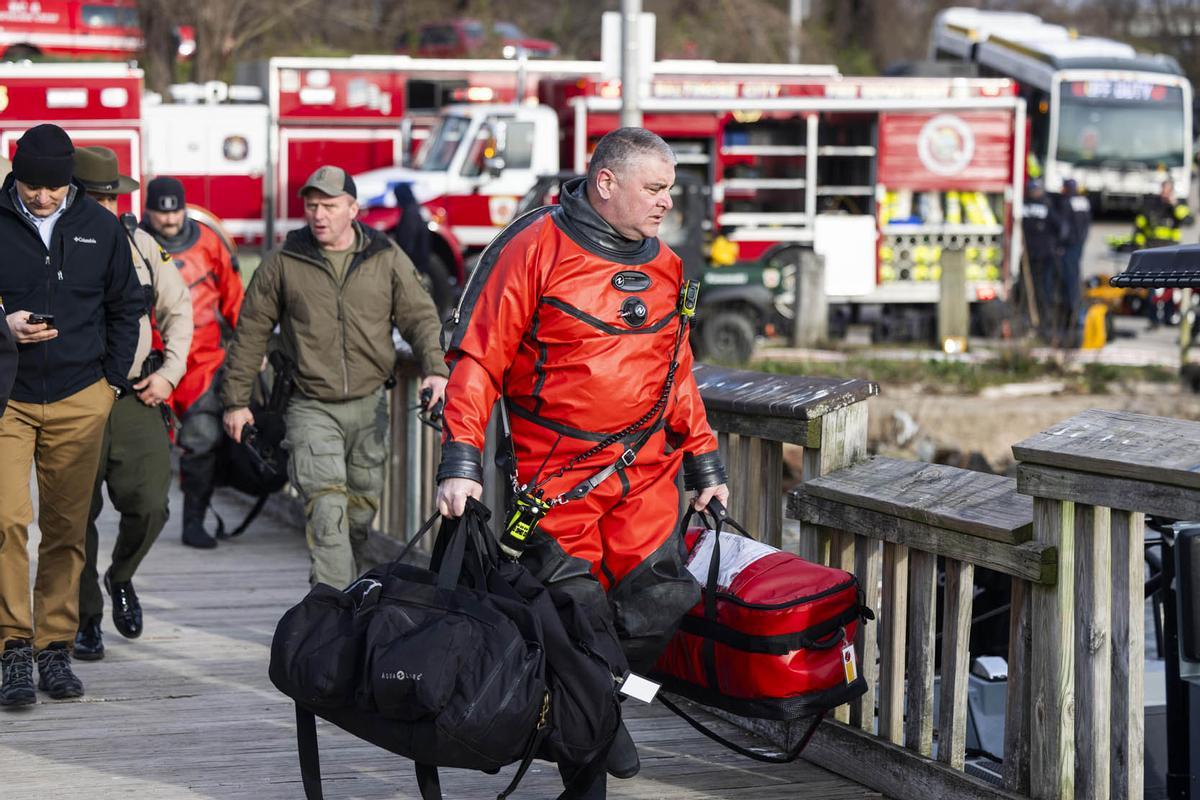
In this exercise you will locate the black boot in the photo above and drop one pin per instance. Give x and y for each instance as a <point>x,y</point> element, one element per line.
<point>16,664</point>
<point>89,641</point>
<point>55,677</point>
<point>194,535</point>
<point>623,761</point>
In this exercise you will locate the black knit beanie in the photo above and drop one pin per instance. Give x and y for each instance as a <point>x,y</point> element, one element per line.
<point>45,157</point>
<point>165,193</point>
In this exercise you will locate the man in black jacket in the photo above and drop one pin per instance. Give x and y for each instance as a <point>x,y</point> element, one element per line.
<point>74,303</point>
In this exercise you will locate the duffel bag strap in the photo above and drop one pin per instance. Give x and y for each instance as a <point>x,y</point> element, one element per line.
<point>781,758</point>
<point>428,781</point>
<point>310,756</point>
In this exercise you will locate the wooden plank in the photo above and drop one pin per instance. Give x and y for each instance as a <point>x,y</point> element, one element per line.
<point>893,628</point>
<point>868,567</point>
<point>793,431</point>
<point>890,769</point>
<point>772,530</point>
<point>1017,710</point>
<point>946,497</point>
<point>843,441</point>
<point>751,483</point>
<point>396,481</point>
<point>1052,767</point>
<point>1032,561</point>
<point>953,312</point>
<point>783,396</point>
<point>1093,650</point>
<point>842,556</point>
<point>956,634</point>
<point>1125,493</point>
<point>922,603</point>
<point>1128,667</point>
<point>1121,444</point>
<point>869,570</point>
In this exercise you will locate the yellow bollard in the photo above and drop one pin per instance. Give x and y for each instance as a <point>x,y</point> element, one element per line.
<point>1095,334</point>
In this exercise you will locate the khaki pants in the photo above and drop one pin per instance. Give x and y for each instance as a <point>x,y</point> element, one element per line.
<point>63,440</point>
<point>337,454</point>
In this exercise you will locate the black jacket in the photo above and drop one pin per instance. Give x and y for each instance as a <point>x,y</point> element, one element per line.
<point>8,360</point>
<point>86,280</point>
<point>1044,227</point>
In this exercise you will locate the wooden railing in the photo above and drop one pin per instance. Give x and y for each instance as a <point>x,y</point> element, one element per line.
<point>1067,533</point>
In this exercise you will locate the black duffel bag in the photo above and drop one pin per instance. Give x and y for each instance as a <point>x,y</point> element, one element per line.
<point>470,664</point>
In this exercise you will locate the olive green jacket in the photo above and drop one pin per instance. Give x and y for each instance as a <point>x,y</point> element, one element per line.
<point>338,335</point>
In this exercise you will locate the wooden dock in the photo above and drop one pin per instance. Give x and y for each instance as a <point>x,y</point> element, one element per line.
<point>187,711</point>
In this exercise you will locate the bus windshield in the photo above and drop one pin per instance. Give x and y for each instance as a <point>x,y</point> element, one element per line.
<point>439,149</point>
<point>1120,123</point>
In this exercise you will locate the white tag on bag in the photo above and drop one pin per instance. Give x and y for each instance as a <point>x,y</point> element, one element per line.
<point>639,688</point>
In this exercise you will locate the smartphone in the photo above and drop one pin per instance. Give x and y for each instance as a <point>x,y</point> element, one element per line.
<point>34,319</point>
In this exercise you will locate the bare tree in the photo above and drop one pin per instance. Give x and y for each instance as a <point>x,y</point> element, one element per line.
<point>160,45</point>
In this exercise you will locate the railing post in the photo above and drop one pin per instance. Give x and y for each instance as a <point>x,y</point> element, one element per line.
<point>1107,467</point>
<point>843,441</point>
<point>1053,688</point>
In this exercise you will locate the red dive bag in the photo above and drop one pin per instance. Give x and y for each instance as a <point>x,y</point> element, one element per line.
<point>772,636</point>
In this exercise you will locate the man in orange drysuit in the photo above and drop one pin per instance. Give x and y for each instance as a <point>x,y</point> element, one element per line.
<point>216,288</point>
<point>573,315</point>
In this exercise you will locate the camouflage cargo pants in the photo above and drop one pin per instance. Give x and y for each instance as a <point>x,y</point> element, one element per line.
<point>338,451</point>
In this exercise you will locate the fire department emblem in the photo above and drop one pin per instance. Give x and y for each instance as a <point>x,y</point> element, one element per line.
<point>945,145</point>
<point>501,209</point>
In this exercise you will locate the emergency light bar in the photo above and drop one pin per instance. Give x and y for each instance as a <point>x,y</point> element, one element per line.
<point>1176,267</point>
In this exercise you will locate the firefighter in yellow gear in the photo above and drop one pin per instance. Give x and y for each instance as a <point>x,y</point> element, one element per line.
<point>1160,220</point>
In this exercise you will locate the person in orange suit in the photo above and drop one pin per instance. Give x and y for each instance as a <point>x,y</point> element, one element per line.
<point>573,316</point>
<point>208,269</point>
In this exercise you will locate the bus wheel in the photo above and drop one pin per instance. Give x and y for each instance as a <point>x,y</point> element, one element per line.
<point>726,337</point>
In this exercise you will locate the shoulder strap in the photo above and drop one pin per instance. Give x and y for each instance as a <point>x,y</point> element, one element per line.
<point>776,758</point>
<point>310,756</point>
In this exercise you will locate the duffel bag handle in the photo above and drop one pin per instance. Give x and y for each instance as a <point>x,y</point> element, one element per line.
<point>826,642</point>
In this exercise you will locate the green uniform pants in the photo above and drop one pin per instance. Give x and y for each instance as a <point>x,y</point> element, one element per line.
<point>337,455</point>
<point>135,462</point>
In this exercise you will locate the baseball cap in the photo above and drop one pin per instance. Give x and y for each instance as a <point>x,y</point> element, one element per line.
<point>330,180</point>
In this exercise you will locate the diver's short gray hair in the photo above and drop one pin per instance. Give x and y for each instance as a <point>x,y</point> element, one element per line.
<point>618,148</point>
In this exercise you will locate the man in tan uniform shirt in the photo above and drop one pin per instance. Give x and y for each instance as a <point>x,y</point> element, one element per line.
<point>135,456</point>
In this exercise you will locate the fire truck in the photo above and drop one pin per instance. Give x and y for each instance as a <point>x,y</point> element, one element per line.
<point>878,176</point>
<point>96,104</point>
<point>76,29</point>
<point>214,141</point>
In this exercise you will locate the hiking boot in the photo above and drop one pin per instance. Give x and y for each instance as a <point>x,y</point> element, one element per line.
<point>623,761</point>
<point>126,608</point>
<point>194,535</point>
<point>89,642</point>
<point>55,677</point>
<point>16,664</point>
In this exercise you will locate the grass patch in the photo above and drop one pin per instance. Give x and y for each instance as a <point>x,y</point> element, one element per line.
<point>938,376</point>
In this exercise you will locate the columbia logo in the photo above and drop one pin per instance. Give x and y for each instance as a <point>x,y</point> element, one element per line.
<point>84,240</point>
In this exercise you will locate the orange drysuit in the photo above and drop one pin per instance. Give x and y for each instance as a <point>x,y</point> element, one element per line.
<point>216,289</point>
<point>579,337</point>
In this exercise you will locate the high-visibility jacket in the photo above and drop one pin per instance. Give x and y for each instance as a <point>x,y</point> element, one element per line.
<point>1159,222</point>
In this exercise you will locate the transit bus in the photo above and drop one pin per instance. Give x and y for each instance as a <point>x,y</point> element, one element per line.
<point>1116,121</point>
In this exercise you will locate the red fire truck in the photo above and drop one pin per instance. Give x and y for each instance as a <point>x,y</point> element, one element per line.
<point>76,29</point>
<point>97,104</point>
<point>366,112</point>
<point>879,176</point>
<point>218,150</point>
